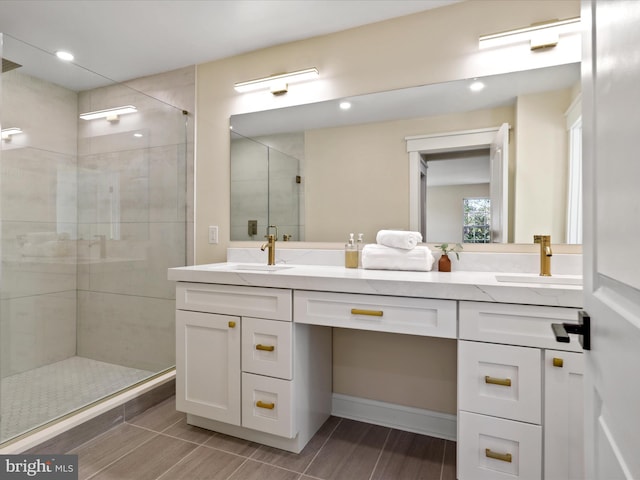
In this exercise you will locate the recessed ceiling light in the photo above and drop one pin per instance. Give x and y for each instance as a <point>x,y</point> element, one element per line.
<point>66,56</point>
<point>137,135</point>
<point>345,105</point>
<point>476,86</point>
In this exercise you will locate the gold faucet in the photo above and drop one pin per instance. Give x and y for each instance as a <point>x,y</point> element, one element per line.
<point>545,254</point>
<point>271,244</point>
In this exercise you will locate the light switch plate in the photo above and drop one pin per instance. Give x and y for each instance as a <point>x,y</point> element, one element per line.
<point>213,234</point>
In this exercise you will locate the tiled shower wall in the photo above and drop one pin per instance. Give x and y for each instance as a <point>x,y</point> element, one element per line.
<point>64,181</point>
<point>263,185</point>
<point>38,187</point>
<point>132,191</point>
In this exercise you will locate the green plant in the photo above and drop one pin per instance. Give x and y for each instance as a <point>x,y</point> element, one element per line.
<point>446,249</point>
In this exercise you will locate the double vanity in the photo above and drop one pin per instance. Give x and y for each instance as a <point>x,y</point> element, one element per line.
<point>254,355</point>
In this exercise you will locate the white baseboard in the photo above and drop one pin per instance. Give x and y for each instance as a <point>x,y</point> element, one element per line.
<point>410,419</point>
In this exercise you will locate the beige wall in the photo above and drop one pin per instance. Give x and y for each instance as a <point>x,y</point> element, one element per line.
<point>541,167</point>
<point>434,46</point>
<point>347,160</point>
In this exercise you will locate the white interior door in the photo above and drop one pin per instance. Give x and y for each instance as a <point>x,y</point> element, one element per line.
<point>611,100</point>
<point>499,164</point>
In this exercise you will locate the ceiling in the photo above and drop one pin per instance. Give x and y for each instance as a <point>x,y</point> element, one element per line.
<point>128,39</point>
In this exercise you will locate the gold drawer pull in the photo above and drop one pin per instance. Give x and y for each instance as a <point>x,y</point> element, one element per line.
<point>558,362</point>
<point>265,348</point>
<point>503,457</point>
<point>232,324</point>
<point>371,313</point>
<point>268,406</point>
<point>505,382</point>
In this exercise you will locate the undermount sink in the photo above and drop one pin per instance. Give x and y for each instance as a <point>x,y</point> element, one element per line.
<point>533,278</point>
<point>261,268</point>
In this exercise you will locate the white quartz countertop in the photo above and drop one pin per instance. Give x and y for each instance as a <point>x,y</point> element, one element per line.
<point>457,285</point>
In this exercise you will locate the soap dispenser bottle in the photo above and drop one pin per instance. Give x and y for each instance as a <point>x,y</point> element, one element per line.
<point>351,253</point>
<point>360,244</point>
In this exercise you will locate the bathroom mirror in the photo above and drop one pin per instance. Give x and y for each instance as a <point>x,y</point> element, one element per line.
<point>324,172</point>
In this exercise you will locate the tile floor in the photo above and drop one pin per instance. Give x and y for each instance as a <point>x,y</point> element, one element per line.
<point>158,444</point>
<point>37,396</point>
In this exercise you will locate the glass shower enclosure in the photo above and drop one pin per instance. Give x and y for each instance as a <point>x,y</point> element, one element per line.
<point>93,210</point>
<point>266,188</point>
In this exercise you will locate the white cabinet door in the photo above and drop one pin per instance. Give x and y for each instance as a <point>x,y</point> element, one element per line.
<point>563,416</point>
<point>208,365</point>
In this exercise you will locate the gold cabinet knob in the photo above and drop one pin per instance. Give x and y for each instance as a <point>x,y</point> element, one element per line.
<point>558,362</point>
<point>232,324</point>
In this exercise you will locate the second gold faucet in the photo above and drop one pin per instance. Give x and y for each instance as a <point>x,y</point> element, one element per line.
<point>545,254</point>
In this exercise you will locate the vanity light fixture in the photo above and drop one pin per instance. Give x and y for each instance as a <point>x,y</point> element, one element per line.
<point>111,114</point>
<point>540,35</point>
<point>7,133</point>
<point>278,84</point>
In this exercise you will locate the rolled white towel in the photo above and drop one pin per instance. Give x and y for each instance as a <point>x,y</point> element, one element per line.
<point>398,239</point>
<point>380,257</point>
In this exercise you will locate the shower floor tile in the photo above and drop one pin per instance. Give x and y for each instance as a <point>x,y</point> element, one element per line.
<point>37,396</point>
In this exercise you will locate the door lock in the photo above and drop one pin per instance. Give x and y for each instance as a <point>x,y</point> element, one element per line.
<point>582,328</point>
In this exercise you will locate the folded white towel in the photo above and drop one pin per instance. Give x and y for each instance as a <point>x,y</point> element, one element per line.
<point>398,239</point>
<point>380,257</point>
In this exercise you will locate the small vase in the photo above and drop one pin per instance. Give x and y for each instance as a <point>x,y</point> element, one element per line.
<point>444,264</point>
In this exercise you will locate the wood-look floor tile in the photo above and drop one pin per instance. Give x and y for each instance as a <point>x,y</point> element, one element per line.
<point>204,464</point>
<point>148,461</point>
<point>231,444</point>
<point>409,456</point>
<point>449,465</point>
<point>109,447</point>
<point>350,453</point>
<point>188,432</point>
<point>251,470</point>
<point>297,462</point>
<point>147,400</point>
<point>80,434</point>
<point>159,417</point>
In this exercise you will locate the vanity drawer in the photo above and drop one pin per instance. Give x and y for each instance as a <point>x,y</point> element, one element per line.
<point>492,448</point>
<point>526,325</point>
<point>272,303</point>
<point>500,380</point>
<point>267,347</point>
<point>414,316</point>
<point>267,405</point>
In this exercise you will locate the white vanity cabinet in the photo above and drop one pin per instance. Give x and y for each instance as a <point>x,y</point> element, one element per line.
<point>208,365</point>
<point>519,394</point>
<point>244,369</point>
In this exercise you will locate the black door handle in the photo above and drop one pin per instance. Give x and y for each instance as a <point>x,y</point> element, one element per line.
<point>583,328</point>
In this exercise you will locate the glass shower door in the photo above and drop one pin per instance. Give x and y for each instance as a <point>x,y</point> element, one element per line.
<point>92,213</point>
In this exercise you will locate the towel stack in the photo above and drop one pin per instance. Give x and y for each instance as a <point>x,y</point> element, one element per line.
<point>397,250</point>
